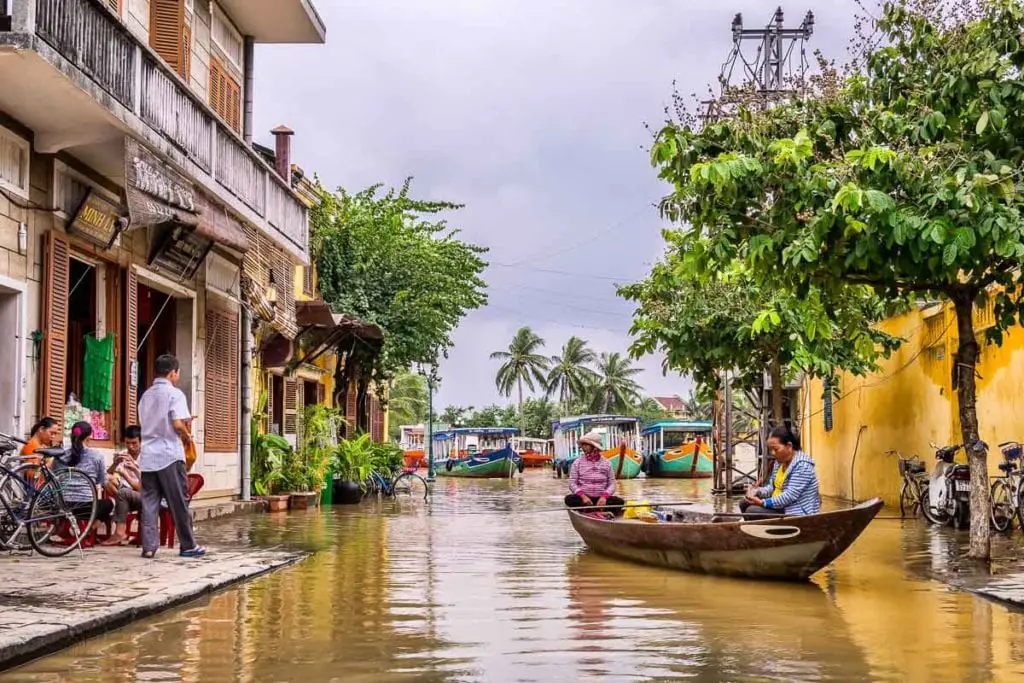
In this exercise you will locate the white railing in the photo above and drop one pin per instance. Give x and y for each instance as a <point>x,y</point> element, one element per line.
<point>174,113</point>
<point>91,37</point>
<point>87,37</point>
<point>239,171</point>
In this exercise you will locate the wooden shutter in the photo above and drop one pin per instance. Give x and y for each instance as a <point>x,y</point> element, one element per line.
<point>225,95</point>
<point>56,290</point>
<point>221,417</point>
<point>290,426</point>
<point>268,386</point>
<point>115,6</point>
<point>131,341</point>
<point>300,412</point>
<point>166,30</point>
<point>186,53</point>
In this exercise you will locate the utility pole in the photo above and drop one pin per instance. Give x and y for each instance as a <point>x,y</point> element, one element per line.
<point>430,426</point>
<point>770,74</point>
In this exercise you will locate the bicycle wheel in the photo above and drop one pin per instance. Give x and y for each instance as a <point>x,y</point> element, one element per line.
<point>1020,502</point>
<point>1002,509</point>
<point>907,499</point>
<point>16,491</point>
<point>50,513</point>
<point>410,485</point>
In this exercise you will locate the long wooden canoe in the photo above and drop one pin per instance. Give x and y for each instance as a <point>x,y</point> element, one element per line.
<point>788,548</point>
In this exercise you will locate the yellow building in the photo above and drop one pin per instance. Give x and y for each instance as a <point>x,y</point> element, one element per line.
<point>911,403</point>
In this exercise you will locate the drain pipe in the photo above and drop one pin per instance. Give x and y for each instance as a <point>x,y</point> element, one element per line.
<point>246,384</point>
<point>853,462</point>
<point>250,54</point>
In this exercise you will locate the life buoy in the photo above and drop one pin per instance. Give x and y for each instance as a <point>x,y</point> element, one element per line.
<point>448,465</point>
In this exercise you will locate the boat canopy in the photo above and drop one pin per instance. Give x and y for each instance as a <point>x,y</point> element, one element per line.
<point>677,426</point>
<point>613,428</point>
<point>576,422</point>
<point>475,431</point>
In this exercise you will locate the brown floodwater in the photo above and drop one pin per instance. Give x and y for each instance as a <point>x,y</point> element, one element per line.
<point>475,587</point>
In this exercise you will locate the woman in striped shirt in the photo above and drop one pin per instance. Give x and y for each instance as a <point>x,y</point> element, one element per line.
<point>591,480</point>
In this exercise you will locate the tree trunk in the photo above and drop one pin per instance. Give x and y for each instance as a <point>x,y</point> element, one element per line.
<point>778,391</point>
<point>966,360</point>
<point>522,415</point>
<point>607,401</point>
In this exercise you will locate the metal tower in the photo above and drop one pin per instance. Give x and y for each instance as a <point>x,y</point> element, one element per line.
<point>774,72</point>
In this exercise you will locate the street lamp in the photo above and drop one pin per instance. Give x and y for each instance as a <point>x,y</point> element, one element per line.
<point>431,381</point>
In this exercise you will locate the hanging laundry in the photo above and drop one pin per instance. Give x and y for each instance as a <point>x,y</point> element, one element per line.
<point>98,373</point>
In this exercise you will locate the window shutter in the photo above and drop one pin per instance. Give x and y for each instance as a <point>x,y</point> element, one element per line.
<point>186,53</point>
<point>225,95</point>
<point>300,413</point>
<point>221,417</point>
<point>131,340</point>
<point>166,30</point>
<point>268,386</point>
<point>115,6</point>
<point>55,327</point>
<point>290,408</point>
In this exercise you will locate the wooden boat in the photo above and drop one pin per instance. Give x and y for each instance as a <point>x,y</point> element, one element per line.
<point>534,452</point>
<point>788,548</point>
<point>613,428</point>
<point>412,440</point>
<point>675,449</point>
<point>476,452</point>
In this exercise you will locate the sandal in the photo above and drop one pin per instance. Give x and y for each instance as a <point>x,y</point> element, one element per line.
<point>113,540</point>
<point>148,554</point>
<point>198,551</point>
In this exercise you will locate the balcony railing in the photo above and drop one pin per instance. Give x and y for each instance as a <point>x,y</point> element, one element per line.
<point>89,36</point>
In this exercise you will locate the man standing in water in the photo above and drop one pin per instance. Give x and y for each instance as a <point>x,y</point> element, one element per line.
<point>591,480</point>
<point>164,416</point>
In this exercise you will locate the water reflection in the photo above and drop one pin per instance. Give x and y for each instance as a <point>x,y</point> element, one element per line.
<point>481,587</point>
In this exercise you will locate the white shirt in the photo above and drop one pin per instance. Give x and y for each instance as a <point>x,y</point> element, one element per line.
<point>159,406</point>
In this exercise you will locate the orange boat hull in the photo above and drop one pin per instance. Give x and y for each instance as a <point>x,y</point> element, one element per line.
<point>531,459</point>
<point>414,458</point>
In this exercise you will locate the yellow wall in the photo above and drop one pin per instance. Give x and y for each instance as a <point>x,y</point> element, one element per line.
<point>909,403</point>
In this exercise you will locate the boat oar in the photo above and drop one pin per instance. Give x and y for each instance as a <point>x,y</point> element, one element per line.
<point>583,508</point>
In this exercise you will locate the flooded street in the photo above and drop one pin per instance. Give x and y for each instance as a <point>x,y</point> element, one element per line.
<point>477,588</point>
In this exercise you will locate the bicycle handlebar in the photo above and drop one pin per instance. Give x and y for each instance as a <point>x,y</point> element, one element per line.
<point>12,438</point>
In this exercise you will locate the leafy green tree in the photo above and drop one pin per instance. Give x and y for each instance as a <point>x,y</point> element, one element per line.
<point>407,401</point>
<point>389,259</point>
<point>455,415</point>
<point>649,410</point>
<point>491,416</point>
<point>522,363</point>
<point>614,388</point>
<point>697,409</point>
<point>539,414</point>
<point>570,374</point>
<point>905,178</point>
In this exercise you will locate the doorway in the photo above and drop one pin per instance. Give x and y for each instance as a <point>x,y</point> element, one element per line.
<point>10,382</point>
<point>157,313</point>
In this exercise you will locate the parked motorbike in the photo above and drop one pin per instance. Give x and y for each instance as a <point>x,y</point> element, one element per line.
<point>949,490</point>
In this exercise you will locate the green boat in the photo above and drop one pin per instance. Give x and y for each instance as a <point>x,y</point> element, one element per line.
<point>478,453</point>
<point>676,449</point>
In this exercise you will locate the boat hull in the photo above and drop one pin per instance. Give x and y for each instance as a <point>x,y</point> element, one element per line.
<point>630,469</point>
<point>679,464</point>
<point>789,548</point>
<point>493,465</point>
<point>535,459</point>
<point>414,458</point>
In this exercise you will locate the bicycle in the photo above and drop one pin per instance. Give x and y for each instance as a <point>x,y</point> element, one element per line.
<point>1007,488</point>
<point>914,491</point>
<point>407,483</point>
<point>32,505</point>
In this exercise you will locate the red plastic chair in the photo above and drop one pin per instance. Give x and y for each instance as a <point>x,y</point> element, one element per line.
<point>167,530</point>
<point>62,534</point>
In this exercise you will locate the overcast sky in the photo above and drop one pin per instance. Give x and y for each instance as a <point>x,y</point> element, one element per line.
<point>531,113</point>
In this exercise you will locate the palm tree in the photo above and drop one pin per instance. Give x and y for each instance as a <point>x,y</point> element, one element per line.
<point>569,376</point>
<point>615,386</point>
<point>407,401</point>
<point>521,363</point>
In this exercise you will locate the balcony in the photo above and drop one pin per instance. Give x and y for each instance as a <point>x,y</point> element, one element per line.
<point>81,81</point>
<point>277,21</point>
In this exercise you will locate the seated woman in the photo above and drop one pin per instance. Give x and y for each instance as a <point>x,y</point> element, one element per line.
<point>76,493</point>
<point>591,480</point>
<point>44,434</point>
<point>793,485</point>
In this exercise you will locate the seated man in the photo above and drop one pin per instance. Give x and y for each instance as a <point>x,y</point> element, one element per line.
<point>591,480</point>
<point>793,485</point>
<point>125,483</point>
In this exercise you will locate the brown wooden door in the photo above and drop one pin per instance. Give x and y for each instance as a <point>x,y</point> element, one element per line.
<point>56,289</point>
<point>166,30</point>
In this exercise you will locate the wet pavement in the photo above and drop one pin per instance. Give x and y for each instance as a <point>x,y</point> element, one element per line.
<point>484,585</point>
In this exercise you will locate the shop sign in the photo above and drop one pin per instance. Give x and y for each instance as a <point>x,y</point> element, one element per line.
<point>98,220</point>
<point>179,253</point>
<point>156,193</point>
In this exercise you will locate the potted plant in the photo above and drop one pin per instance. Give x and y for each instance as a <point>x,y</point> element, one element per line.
<point>309,465</point>
<point>352,467</point>
<point>270,454</point>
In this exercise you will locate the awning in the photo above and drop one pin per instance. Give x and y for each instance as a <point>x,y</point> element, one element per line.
<point>309,314</point>
<point>157,194</point>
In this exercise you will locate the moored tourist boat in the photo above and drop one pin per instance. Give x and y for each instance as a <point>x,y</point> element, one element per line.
<point>534,452</point>
<point>413,442</point>
<point>789,548</point>
<point>675,449</point>
<point>613,429</point>
<point>477,452</point>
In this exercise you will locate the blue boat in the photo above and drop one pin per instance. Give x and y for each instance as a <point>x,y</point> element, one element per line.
<point>676,449</point>
<point>477,452</point>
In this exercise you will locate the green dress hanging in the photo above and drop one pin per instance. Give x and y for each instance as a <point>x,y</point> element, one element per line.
<point>98,373</point>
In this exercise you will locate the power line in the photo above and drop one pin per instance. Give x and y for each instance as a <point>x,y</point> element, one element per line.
<point>564,272</point>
